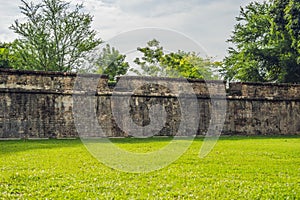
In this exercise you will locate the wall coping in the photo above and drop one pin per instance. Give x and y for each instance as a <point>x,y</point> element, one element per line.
<point>169,79</point>
<point>265,84</point>
<point>74,74</point>
<point>49,73</point>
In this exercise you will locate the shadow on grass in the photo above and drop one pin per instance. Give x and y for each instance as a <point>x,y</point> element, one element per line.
<point>257,137</point>
<point>14,146</point>
<point>140,140</point>
<point>198,138</point>
<point>26,145</point>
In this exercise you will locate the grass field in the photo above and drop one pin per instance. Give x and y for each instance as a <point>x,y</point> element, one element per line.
<point>237,168</point>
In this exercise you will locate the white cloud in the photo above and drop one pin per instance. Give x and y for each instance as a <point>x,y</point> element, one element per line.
<point>208,22</point>
<point>9,12</point>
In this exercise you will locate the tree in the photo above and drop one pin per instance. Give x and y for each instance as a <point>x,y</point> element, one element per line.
<point>286,28</point>
<point>111,63</point>
<point>150,62</point>
<point>264,49</point>
<point>248,61</point>
<point>155,62</point>
<point>188,65</point>
<point>7,58</point>
<point>54,37</point>
<point>4,55</point>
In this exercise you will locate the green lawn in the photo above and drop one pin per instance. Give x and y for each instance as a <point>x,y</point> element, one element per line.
<point>237,168</point>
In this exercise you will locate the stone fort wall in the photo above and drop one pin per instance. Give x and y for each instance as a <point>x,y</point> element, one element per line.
<point>41,105</point>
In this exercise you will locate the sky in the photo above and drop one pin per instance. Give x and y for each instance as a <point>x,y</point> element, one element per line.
<point>208,23</point>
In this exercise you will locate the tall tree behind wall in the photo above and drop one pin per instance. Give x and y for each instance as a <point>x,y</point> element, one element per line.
<point>266,44</point>
<point>54,37</point>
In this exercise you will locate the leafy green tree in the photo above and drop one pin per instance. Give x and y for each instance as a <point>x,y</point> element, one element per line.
<point>286,30</point>
<point>4,55</point>
<point>155,62</point>
<point>188,65</point>
<point>111,63</point>
<point>150,62</point>
<point>54,37</point>
<point>7,58</point>
<point>248,61</point>
<point>265,50</point>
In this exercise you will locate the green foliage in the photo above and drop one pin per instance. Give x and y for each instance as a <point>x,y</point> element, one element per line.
<point>254,58</point>
<point>4,55</point>
<point>54,37</point>
<point>111,63</point>
<point>155,62</point>
<point>265,44</point>
<point>8,59</point>
<point>286,30</point>
<point>150,62</point>
<point>237,168</point>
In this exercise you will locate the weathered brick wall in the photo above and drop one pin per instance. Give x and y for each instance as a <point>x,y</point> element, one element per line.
<point>40,104</point>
